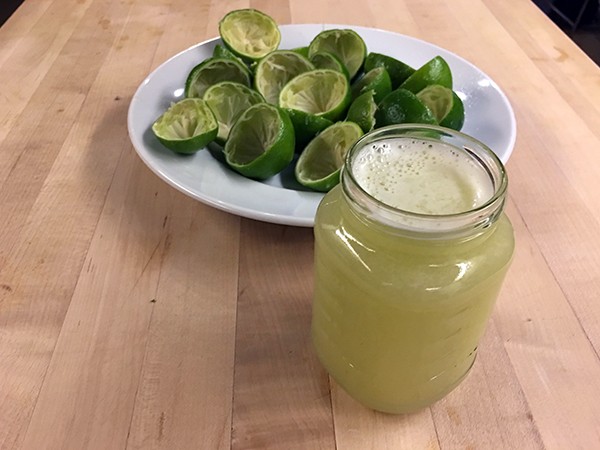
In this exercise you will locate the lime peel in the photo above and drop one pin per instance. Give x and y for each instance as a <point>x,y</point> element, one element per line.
<point>261,142</point>
<point>319,165</point>
<point>187,126</point>
<point>346,44</point>
<point>228,100</point>
<point>323,92</point>
<point>249,33</point>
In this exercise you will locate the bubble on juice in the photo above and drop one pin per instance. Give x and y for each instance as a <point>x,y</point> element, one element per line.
<point>422,176</point>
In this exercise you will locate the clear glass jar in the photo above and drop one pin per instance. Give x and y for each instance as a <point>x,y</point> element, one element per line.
<point>402,298</point>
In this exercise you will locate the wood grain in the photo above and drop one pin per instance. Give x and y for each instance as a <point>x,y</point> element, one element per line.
<point>132,316</point>
<point>281,394</point>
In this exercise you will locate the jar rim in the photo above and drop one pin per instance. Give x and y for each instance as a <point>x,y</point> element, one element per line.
<point>472,146</point>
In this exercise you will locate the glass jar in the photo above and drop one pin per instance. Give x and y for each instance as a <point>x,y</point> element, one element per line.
<point>402,298</point>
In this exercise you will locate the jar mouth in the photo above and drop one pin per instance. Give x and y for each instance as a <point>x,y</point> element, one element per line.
<point>479,216</point>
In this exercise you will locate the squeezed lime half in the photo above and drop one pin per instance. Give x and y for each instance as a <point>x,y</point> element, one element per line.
<point>261,142</point>
<point>434,71</point>
<point>275,70</point>
<point>322,92</point>
<point>327,60</point>
<point>362,111</point>
<point>319,165</point>
<point>402,106</point>
<point>306,126</point>
<point>377,80</point>
<point>346,44</point>
<point>213,71</point>
<point>187,126</point>
<point>228,100</point>
<point>249,33</point>
<point>397,70</point>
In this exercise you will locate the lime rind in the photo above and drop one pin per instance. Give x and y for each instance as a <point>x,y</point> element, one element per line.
<point>445,105</point>
<point>222,52</point>
<point>434,71</point>
<point>319,165</point>
<point>402,106</point>
<point>306,126</point>
<point>276,69</point>
<point>301,51</point>
<point>322,92</point>
<point>261,142</point>
<point>438,99</point>
<point>346,44</point>
<point>187,126</point>
<point>228,100</point>
<point>362,111</point>
<point>213,71</point>
<point>455,118</point>
<point>327,60</point>
<point>397,70</point>
<point>377,80</point>
<point>249,33</point>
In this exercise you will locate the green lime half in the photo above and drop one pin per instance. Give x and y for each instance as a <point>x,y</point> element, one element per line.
<point>362,111</point>
<point>306,126</point>
<point>275,70</point>
<point>347,45</point>
<point>321,92</point>
<point>319,164</point>
<point>220,51</point>
<point>228,100</point>
<point>455,118</point>
<point>445,105</point>
<point>402,106</point>
<point>249,33</point>
<point>377,80</point>
<point>397,70</point>
<point>187,126</point>
<point>327,60</point>
<point>302,51</point>
<point>213,71</point>
<point>435,71</point>
<point>261,142</point>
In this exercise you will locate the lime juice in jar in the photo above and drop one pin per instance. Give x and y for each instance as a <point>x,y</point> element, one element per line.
<point>410,252</point>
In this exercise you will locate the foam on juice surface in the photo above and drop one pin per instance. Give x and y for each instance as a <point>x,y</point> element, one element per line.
<point>422,176</point>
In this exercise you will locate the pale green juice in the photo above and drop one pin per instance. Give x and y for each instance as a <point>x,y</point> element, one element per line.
<point>397,315</point>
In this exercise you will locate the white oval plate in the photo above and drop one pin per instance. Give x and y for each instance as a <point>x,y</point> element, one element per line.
<point>488,117</point>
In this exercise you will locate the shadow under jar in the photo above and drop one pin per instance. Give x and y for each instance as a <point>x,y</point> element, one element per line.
<point>410,253</point>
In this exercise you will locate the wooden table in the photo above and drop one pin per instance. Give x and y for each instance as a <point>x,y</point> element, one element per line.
<point>132,316</point>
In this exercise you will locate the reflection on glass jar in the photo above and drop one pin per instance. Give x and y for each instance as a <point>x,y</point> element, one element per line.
<point>410,253</point>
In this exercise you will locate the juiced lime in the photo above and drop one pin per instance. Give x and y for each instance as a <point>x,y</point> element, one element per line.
<point>377,80</point>
<point>346,44</point>
<point>249,33</point>
<point>434,71</point>
<point>397,70</point>
<point>362,111</point>
<point>321,92</point>
<point>455,118</point>
<point>306,126</point>
<point>213,71</point>
<point>275,70</point>
<point>302,51</point>
<point>327,60</point>
<point>220,51</point>
<point>187,126</point>
<point>402,106</point>
<point>228,100</point>
<point>319,164</point>
<point>445,105</point>
<point>261,142</point>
